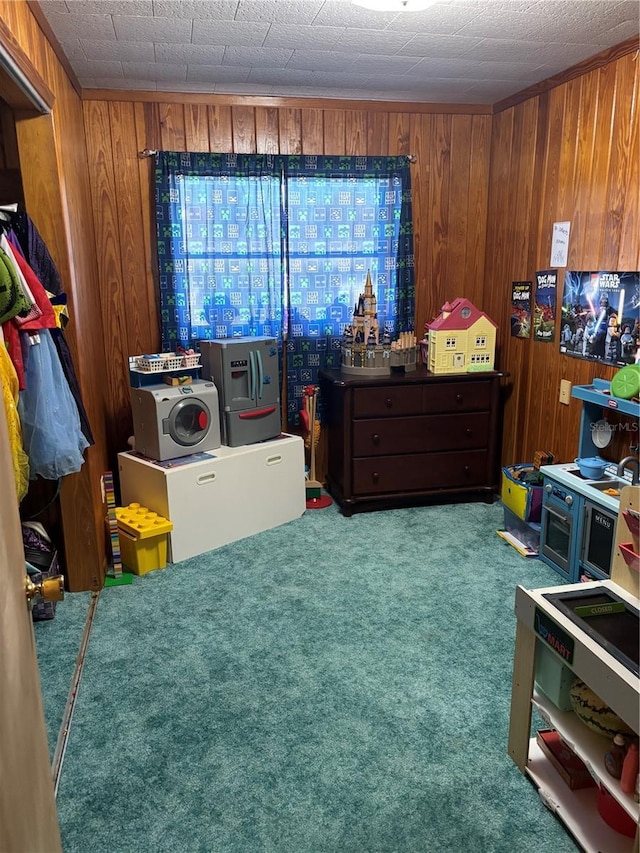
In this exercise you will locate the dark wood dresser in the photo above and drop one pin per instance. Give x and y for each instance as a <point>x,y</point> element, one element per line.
<point>403,438</point>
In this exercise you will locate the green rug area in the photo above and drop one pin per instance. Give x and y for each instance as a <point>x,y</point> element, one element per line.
<point>57,644</point>
<point>330,685</point>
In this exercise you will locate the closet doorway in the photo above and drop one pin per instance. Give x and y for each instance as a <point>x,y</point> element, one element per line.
<point>27,805</point>
<point>57,201</point>
<point>42,500</point>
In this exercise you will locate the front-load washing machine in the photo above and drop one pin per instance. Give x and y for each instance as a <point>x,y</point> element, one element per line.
<point>171,421</point>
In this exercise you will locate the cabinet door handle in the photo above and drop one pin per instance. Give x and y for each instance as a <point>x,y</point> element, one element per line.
<point>375,438</point>
<point>375,477</point>
<point>388,402</point>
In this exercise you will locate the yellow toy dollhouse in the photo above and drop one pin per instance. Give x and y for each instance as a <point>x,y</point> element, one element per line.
<point>461,339</point>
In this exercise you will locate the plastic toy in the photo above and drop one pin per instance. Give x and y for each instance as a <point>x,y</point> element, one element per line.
<point>114,577</point>
<point>315,498</point>
<point>462,339</point>
<point>626,383</point>
<point>143,539</point>
<point>366,348</point>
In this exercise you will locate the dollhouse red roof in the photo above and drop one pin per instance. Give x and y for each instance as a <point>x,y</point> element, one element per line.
<point>452,316</point>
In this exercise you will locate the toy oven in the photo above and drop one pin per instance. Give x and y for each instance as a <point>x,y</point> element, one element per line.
<point>558,530</point>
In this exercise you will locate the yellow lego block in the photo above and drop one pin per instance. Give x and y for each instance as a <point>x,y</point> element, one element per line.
<point>141,522</point>
<point>143,538</point>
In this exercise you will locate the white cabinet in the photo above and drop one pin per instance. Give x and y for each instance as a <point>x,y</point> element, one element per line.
<point>616,684</point>
<point>233,493</point>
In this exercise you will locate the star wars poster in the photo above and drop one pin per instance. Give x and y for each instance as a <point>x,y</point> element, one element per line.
<point>520,309</point>
<point>544,311</point>
<point>601,316</point>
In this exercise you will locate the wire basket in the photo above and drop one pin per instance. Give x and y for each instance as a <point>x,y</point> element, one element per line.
<point>160,362</point>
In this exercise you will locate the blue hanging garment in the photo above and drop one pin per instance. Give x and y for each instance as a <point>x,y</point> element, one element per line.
<point>37,256</point>
<point>51,431</point>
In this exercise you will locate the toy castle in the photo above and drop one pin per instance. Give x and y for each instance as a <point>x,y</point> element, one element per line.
<point>365,349</point>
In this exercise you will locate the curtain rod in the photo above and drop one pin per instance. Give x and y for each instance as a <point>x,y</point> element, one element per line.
<point>151,152</point>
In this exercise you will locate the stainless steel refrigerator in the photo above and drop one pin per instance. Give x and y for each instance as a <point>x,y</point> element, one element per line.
<point>245,371</point>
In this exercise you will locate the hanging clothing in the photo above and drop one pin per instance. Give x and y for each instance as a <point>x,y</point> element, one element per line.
<point>46,318</point>
<point>12,328</point>
<point>35,251</point>
<point>13,302</point>
<point>37,256</point>
<point>9,383</point>
<point>10,258</point>
<point>14,350</point>
<point>51,429</point>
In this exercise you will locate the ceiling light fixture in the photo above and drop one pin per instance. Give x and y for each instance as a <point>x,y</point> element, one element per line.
<point>395,5</point>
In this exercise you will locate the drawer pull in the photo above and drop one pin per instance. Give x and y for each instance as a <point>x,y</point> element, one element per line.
<point>466,469</point>
<point>469,432</point>
<point>458,398</point>
<point>375,438</point>
<point>375,477</point>
<point>274,460</point>
<point>388,402</point>
<point>203,479</point>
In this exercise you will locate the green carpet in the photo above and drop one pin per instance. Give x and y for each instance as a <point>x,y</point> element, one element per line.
<point>57,644</point>
<point>330,685</point>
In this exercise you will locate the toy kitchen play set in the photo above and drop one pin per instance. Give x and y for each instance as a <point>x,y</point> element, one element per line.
<point>581,500</point>
<point>209,454</point>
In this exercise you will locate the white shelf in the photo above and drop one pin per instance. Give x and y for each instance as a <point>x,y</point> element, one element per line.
<point>588,745</point>
<point>576,809</point>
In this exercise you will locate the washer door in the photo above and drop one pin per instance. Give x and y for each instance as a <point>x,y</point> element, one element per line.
<point>188,423</point>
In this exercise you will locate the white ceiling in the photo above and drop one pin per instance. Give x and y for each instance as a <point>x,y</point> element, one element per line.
<point>457,51</point>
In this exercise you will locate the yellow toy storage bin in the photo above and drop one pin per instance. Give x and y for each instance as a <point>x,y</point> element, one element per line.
<point>143,538</point>
<point>522,499</point>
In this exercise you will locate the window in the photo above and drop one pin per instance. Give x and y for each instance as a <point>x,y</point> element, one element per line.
<point>450,343</point>
<point>481,341</point>
<point>281,246</point>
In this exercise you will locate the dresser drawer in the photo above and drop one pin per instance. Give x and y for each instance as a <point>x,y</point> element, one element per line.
<point>418,471</point>
<point>457,397</point>
<point>386,436</point>
<point>387,401</point>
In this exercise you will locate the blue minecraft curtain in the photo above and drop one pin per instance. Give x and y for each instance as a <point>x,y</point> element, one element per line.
<point>281,245</point>
<point>345,216</point>
<point>219,232</point>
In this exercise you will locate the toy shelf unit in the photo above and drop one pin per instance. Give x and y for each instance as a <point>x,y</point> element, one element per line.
<point>595,398</point>
<point>151,369</point>
<point>547,624</point>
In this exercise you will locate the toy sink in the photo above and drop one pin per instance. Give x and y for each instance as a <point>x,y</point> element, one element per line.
<point>608,619</point>
<point>612,483</point>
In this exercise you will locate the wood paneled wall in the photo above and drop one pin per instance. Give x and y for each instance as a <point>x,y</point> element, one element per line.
<point>572,154</point>
<point>55,179</point>
<point>486,193</point>
<point>487,190</point>
<point>450,180</point>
